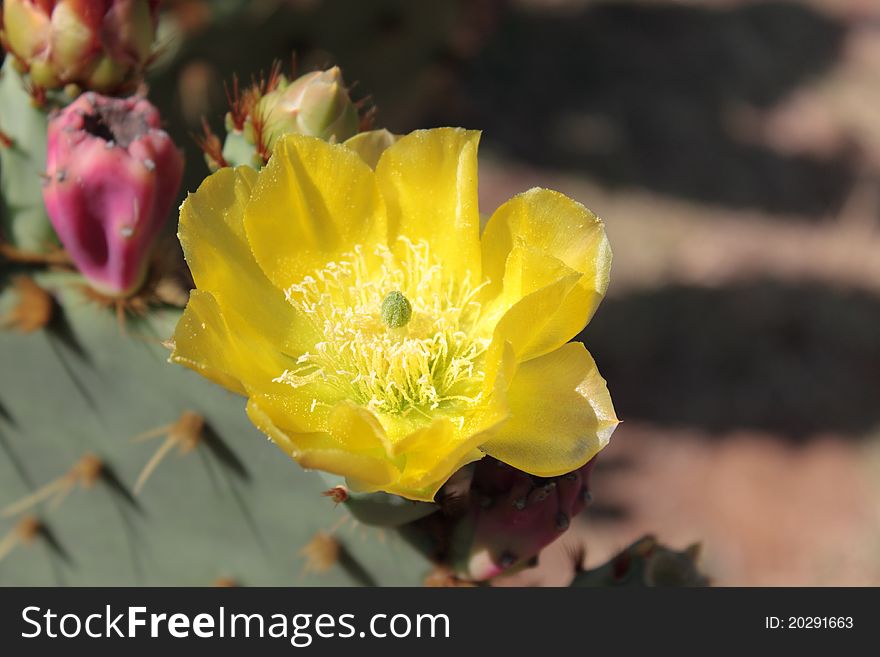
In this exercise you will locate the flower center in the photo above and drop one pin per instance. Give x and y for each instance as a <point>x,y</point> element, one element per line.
<point>399,337</point>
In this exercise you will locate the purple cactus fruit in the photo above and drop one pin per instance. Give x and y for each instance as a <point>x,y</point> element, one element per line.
<point>112,177</point>
<point>513,516</point>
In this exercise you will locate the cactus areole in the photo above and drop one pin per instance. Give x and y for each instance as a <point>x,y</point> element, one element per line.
<point>112,177</point>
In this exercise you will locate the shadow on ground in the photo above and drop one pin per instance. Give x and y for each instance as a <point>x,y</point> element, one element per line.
<point>636,94</point>
<point>631,94</point>
<point>794,360</point>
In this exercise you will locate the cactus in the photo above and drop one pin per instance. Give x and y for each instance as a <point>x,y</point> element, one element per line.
<point>25,224</point>
<point>647,563</point>
<point>159,479</point>
<point>116,468</point>
<point>376,509</point>
<point>227,509</point>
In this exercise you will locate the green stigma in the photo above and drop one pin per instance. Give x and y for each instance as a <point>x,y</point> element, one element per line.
<point>396,310</point>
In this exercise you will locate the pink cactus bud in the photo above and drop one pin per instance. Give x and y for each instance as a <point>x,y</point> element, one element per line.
<point>112,177</point>
<point>513,516</point>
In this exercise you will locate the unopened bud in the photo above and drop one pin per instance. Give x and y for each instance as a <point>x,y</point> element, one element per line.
<point>102,45</point>
<point>316,104</point>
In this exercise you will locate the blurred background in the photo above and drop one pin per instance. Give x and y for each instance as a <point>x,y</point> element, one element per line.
<point>733,149</point>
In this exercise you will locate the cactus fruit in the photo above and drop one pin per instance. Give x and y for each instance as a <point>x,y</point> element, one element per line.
<point>511,516</point>
<point>316,104</point>
<point>112,177</point>
<point>102,45</point>
<point>492,519</point>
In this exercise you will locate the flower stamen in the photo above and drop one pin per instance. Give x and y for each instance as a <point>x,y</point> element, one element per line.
<point>360,304</point>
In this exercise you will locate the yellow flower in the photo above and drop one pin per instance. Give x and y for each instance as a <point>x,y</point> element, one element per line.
<point>373,330</point>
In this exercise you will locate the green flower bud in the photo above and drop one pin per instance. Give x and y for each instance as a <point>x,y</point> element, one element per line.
<point>315,104</point>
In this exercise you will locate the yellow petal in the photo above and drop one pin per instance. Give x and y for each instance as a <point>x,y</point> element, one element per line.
<point>371,144</point>
<point>560,414</point>
<point>359,429</point>
<point>313,202</point>
<point>562,229</point>
<point>530,324</point>
<point>345,425</point>
<point>215,246</point>
<point>429,182</point>
<point>404,487</point>
<point>528,270</point>
<point>263,421</point>
<point>202,342</point>
<point>304,409</point>
<point>374,472</point>
<point>320,451</point>
<point>432,455</point>
<point>205,341</point>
